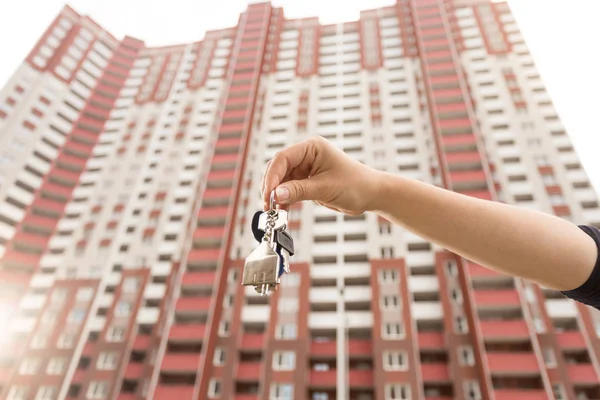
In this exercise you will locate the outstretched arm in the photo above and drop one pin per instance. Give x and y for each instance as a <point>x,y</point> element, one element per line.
<point>510,240</point>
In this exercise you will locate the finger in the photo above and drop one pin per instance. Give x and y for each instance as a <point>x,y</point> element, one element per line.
<point>285,160</point>
<point>294,191</point>
<point>262,184</point>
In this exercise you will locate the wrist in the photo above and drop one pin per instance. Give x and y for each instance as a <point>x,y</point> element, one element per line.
<point>382,190</point>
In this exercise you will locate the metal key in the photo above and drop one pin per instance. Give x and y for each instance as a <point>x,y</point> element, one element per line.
<point>280,220</point>
<point>285,240</point>
<point>262,266</point>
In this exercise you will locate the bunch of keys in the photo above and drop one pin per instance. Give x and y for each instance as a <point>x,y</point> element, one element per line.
<point>271,259</point>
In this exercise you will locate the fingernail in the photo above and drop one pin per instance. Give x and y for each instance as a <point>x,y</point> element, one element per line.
<point>282,193</point>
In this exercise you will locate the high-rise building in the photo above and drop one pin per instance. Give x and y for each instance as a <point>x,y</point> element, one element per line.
<point>129,175</point>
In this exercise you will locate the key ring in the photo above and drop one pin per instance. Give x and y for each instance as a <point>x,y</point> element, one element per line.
<point>272,205</point>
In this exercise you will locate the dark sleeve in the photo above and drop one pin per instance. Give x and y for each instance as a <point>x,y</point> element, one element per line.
<point>589,292</point>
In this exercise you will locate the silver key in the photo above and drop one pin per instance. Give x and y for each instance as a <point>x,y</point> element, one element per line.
<point>280,219</point>
<point>261,268</point>
<point>286,260</point>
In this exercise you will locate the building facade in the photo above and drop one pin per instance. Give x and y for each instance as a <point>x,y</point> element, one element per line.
<point>129,175</point>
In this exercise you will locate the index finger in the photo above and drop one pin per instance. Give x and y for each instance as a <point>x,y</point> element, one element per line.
<point>285,161</point>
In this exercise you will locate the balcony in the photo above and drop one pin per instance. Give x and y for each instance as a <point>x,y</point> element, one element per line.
<point>463,160</point>
<point>323,379</point>
<point>134,371</point>
<point>582,374</point>
<point>71,162</point>
<point>64,177</point>
<point>20,261</point>
<point>193,304</point>
<point>513,364</point>
<point>249,371</point>
<point>198,279</point>
<point>323,349</point>
<point>360,348</point>
<point>13,279</point>
<point>505,330</point>
<point>174,362</point>
<point>458,126</point>
<point>174,392</point>
<point>228,146</point>
<point>360,378</point>
<point>446,96</point>
<point>187,333</point>
<point>524,394</point>
<point>211,216</point>
<point>231,130</point>
<point>234,114</point>
<point>571,340</point>
<point>80,135</point>
<point>81,150</point>
<point>497,298</point>
<point>219,179</point>
<point>468,180</point>
<point>450,111</point>
<point>31,242</point>
<point>431,341</point>
<point>435,372</point>
<point>48,208</point>
<point>238,101</point>
<point>55,191</point>
<point>209,237</point>
<point>203,257</point>
<point>224,161</point>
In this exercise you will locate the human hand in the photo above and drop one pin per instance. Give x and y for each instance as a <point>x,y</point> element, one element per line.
<point>317,170</point>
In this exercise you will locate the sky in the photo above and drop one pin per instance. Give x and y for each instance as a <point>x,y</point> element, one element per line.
<point>562,36</point>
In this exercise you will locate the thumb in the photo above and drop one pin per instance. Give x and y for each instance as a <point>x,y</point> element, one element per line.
<point>294,191</point>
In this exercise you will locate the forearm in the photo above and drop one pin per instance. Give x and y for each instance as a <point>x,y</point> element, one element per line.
<point>514,241</point>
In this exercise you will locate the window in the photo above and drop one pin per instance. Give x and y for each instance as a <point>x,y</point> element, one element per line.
<point>284,360</point>
<point>387,252</point>
<point>287,304</point>
<point>17,393</point>
<point>29,366</point>
<point>97,390</point>
<point>286,331</point>
<point>115,334</point>
<point>397,391</point>
<point>131,285</point>
<point>85,294</point>
<point>460,324</point>
<point>549,357</point>
<point>66,341</point>
<point>214,388</point>
<point>392,330</point>
<point>466,355</point>
<point>56,366</point>
<point>282,391</point>
<point>232,276</point>
<point>77,315</point>
<point>395,361</point>
<point>123,309</point>
<point>39,341</point>
<point>290,280</point>
<point>388,276</point>
<point>472,391</point>
<point>385,228</point>
<point>390,302</point>
<point>220,356</point>
<point>559,391</point>
<point>107,360</point>
<point>46,393</point>
<point>224,328</point>
<point>451,268</point>
<point>59,296</point>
